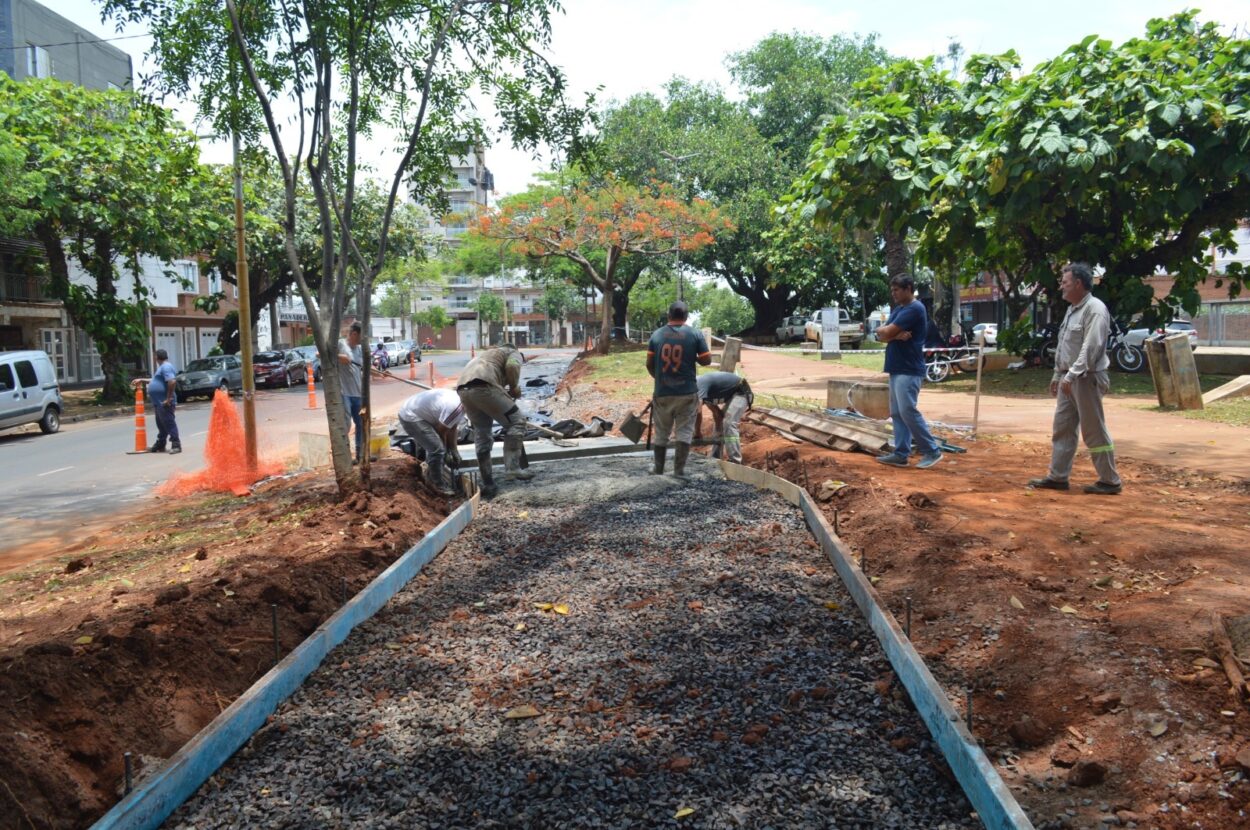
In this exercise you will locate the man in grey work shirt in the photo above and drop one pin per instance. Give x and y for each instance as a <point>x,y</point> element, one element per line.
<point>1079,383</point>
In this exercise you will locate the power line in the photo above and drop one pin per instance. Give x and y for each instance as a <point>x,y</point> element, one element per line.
<point>78,42</point>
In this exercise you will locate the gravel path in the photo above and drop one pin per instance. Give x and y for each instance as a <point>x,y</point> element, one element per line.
<point>709,661</point>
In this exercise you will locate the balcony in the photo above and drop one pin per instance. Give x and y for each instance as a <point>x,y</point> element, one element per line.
<point>24,288</point>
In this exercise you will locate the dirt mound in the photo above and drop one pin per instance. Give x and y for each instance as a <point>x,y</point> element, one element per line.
<point>166,623</point>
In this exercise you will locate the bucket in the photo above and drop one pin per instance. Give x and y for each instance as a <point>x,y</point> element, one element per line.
<point>379,440</point>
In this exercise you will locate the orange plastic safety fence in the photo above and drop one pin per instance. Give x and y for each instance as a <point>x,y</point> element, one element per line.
<point>226,455</point>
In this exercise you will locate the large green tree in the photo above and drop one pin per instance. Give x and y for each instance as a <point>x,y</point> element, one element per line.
<point>390,68</point>
<point>1133,157</point>
<point>102,178</point>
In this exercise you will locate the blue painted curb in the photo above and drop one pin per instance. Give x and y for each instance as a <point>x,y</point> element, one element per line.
<point>990,796</point>
<point>157,797</point>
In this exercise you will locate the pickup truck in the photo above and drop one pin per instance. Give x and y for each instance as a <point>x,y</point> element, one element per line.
<point>792,329</point>
<point>850,332</point>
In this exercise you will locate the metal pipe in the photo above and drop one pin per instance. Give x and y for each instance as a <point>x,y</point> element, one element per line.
<point>907,624</point>
<point>273,611</point>
<point>128,761</point>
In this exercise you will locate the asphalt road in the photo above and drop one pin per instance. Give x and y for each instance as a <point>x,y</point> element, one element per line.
<point>57,487</point>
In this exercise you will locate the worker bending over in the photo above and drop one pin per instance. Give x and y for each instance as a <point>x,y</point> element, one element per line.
<point>432,418</point>
<point>729,397</point>
<point>488,388</point>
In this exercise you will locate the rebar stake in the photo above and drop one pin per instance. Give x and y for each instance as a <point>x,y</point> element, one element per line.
<point>343,591</point>
<point>968,706</point>
<point>837,529</point>
<point>128,760</point>
<point>273,612</point>
<point>907,624</point>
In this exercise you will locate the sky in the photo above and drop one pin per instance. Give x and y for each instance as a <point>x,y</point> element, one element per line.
<point>636,46</point>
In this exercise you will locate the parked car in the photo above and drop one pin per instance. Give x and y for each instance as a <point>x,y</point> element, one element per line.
<point>208,374</point>
<point>850,332</point>
<point>279,368</point>
<point>414,351</point>
<point>395,353</point>
<point>1137,337</point>
<point>792,329</point>
<point>991,333</point>
<point>29,393</point>
<point>310,355</point>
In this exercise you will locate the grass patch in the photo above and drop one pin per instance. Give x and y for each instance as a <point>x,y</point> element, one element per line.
<point>1235,411</point>
<point>624,374</point>
<point>1035,382</point>
<point>872,362</point>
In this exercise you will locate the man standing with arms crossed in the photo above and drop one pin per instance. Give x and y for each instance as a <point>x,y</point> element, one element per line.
<point>904,335</point>
<point>671,356</point>
<point>1078,385</point>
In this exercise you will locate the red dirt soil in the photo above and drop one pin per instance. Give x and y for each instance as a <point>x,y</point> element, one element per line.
<point>137,639</point>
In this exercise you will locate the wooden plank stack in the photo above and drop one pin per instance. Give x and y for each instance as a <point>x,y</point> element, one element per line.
<point>830,431</point>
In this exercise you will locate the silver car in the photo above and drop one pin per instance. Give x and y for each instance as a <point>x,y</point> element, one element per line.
<point>208,374</point>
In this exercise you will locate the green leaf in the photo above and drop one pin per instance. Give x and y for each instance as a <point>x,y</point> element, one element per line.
<point>1171,114</point>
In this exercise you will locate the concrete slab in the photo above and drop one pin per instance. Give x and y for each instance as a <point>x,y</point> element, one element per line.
<point>1238,388</point>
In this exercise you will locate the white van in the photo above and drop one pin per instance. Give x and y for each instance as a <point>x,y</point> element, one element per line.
<point>29,392</point>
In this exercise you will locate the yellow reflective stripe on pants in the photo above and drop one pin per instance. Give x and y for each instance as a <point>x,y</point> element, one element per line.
<point>1103,448</point>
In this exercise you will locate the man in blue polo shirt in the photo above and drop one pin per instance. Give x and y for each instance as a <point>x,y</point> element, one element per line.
<point>671,356</point>
<point>904,336</point>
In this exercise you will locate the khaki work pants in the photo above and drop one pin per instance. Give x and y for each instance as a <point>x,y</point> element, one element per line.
<point>674,414</point>
<point>1082,408</point>
<point>486,405</point>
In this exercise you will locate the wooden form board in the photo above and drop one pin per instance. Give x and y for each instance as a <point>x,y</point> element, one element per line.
<point>843,434</point>
<point>990,796</point>
<point>149,804</point>
<point>1174,372</point>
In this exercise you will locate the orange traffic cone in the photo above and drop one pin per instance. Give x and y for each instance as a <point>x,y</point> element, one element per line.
<point>312,388</point>
<point>141,432</point>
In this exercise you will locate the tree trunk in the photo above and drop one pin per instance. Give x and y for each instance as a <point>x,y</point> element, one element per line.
<point>620,307</point>
<point>897,259</point>
<point>605,325</point>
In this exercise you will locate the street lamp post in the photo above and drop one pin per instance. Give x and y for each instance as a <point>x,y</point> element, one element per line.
<point>677,160</point>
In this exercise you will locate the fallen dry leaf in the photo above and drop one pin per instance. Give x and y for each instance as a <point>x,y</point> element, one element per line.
<point>543,606</point>
<point>1206,663</point>
<point>83,640</point>
<point>518,712</point>
<point>561,609</point>
<point>519,627</point>
<point>683,812</point>
<point>1158,728</point>
<point>1015,603</point>
<point>1067,609</point>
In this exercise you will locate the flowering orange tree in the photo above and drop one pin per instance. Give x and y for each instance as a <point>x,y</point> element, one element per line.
<point>597,227</point>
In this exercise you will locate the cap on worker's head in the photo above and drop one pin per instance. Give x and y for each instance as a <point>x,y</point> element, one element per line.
<point>678,311</point>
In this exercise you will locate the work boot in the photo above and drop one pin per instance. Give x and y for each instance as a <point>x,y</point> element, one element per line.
<point>512,462</point>
<point>157,448</point>
<point>660,453</point>
<point>436,479</point>
<point>679,460</point>
<point>175,449</point>
<point>489,489</point>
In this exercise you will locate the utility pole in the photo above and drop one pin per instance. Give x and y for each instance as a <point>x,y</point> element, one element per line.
<point>677,160</point>
<point>245,311</point>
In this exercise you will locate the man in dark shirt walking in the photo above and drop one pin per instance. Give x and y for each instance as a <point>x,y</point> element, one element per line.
<point>671,356</point>
<point>904,335</point>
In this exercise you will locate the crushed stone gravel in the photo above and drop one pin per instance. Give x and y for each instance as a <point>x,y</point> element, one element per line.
<point>602,648</point>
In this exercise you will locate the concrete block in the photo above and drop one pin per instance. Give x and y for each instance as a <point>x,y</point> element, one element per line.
<point>1238,388</point>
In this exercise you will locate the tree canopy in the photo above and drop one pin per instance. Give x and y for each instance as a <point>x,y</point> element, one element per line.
<point>102,178</point>
<point>1131,157</point>
<point>616,219</point>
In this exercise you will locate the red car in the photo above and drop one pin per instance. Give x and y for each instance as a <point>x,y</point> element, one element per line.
<point>279,368</point>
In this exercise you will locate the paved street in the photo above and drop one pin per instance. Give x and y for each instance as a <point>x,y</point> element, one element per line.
<point>58,485</point>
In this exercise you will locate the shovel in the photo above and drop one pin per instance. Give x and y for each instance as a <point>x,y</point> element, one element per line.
<point>633,426</point>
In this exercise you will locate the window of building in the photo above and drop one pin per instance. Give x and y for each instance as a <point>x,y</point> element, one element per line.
<point>214,281</point>
<point>38,62</point>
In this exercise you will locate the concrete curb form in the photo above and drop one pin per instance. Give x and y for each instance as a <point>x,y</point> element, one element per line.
<point>158,796</point>
<point>993,801</point>
<point>95,416</point>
